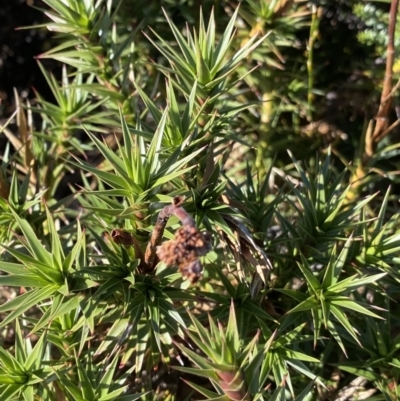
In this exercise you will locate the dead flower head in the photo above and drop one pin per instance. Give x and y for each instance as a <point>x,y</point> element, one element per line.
<point>184,251</point>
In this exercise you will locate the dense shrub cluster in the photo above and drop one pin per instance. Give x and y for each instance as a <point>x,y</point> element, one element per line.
<point>184,218</point>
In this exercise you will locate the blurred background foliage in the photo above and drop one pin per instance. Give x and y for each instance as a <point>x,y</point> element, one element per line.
<point>343,76</point>
<point>343,45</point>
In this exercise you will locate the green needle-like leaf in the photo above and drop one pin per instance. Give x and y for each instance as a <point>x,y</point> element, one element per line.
<point>312,281</point>
<point>22,303</point>
<point>34,246</point>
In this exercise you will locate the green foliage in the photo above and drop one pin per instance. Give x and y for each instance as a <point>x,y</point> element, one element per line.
<point>153,249</point>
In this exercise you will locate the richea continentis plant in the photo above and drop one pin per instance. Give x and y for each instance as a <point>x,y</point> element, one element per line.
<point>149,249</point>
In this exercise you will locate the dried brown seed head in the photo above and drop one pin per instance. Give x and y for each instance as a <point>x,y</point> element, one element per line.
<point>185,249</point>
<point>191,271</point>
<point>122,237</point>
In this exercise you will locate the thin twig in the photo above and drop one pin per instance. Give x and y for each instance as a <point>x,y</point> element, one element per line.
<point>388,130</point>
<point>382,117</point>
<point>310,49</point>
<point>393,91</point>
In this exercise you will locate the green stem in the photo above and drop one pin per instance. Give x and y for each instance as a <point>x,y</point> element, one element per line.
<point>310,56</point>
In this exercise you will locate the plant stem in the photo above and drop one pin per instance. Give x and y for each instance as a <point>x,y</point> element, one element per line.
<point>310,56</point>
<point>382,120</point>
<point>157,234</point>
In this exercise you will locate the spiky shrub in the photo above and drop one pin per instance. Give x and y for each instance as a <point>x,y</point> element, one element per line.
<point>177,256</point>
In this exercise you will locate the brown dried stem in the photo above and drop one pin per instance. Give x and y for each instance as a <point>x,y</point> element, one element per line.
<point>155,240</point>
<point>382,119</point>
<point>157,234</point>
